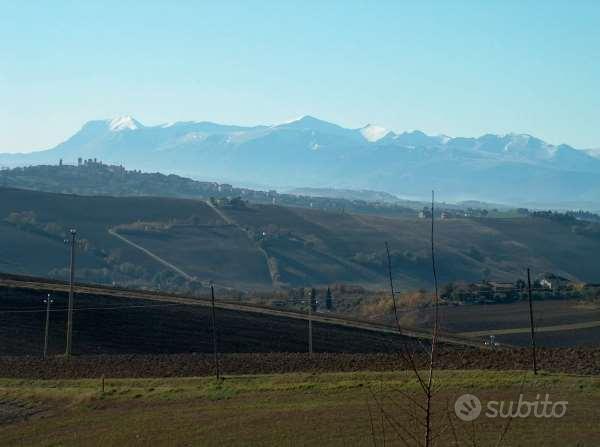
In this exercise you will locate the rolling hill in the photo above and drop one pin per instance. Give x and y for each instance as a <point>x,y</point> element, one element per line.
<point>150,241</point>
<point>96,178</point>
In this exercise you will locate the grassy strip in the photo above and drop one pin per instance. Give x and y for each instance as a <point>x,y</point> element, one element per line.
<point>209,388</point>
<point>284,409</point>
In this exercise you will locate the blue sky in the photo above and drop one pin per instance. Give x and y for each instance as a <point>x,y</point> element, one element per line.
<point>461,68</point>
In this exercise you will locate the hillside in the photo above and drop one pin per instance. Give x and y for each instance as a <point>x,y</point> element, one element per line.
<point>169,243</point>
<point>105,324</point>
<point>308,152</point>
<point>96,178</point>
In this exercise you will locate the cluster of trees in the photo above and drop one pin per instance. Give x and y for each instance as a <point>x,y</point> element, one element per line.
<point>556,216</point>
<point>441,212</point>
<point>486,292</point>
<point>318,299</point>
<point>585,215</point>
<point>378,260</point>
<point>28,221</point>
<point>229,202</point>
<point>581,222</point>
<point>126,274</point>
<point>144,227</point>
<point>567,216</point>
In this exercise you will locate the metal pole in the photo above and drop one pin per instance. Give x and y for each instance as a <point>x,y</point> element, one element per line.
<point>46,330</point>
<point>310,337</point>
<point>70,309</point>
<point>214,331</point>
<point>531,322</point>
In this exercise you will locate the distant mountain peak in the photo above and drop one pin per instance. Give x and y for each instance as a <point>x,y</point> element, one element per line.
<point>373,133</point>
<point>124,123</point>
<point>310,123</point>
<point>303,118</point>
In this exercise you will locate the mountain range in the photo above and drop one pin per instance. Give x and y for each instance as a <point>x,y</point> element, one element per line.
<point>308,152</point>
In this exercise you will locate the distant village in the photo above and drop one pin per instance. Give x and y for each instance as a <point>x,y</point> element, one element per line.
<point>92,176</point>
<point>544,286</point>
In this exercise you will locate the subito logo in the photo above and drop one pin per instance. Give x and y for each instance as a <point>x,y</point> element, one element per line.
<point>467,407</point>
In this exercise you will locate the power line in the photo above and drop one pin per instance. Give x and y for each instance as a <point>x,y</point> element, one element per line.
<point>62,309</point>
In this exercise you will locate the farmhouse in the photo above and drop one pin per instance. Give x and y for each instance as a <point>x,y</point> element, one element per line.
<point>551,281</point>
<point>501,287</point>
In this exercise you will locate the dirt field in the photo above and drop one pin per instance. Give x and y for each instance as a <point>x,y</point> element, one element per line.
<point>574,361</point>
<point>482,318</point>
<point>110,325</point>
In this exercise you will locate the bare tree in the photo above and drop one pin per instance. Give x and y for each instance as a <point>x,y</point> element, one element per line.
<point>420,412</point>
<point>434,334</point>
<point>422,429</point>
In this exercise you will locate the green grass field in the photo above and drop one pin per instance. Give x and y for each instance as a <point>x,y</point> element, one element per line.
<point>294,409</point>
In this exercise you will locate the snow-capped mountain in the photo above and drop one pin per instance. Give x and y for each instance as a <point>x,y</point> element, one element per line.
<point>373,133</point>
<point>309,152</point>
<point>124,123</point>
<point>593,152</point>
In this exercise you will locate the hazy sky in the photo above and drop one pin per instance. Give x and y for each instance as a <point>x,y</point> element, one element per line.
<point>457,68</point>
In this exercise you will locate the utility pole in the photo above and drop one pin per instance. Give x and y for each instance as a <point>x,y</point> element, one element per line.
<point>214,331</point>
<point>47,329</point>
<point>328,299</point>
<point>70,309</point>
<point>310,308</point>
<point>389,263</point>
<point>531,322</point>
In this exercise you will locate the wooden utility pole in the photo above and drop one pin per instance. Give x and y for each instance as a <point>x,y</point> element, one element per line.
<point>389,263</point>
<point>47,327</point>
<point>310,337</point>
<point>214,331</point>
<point>71,298</point>
<point>531,322</point>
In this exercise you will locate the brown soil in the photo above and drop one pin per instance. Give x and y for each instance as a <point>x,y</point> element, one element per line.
<point>576,361</point>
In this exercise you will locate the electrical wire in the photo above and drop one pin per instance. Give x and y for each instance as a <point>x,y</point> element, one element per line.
<point>64,309</point>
